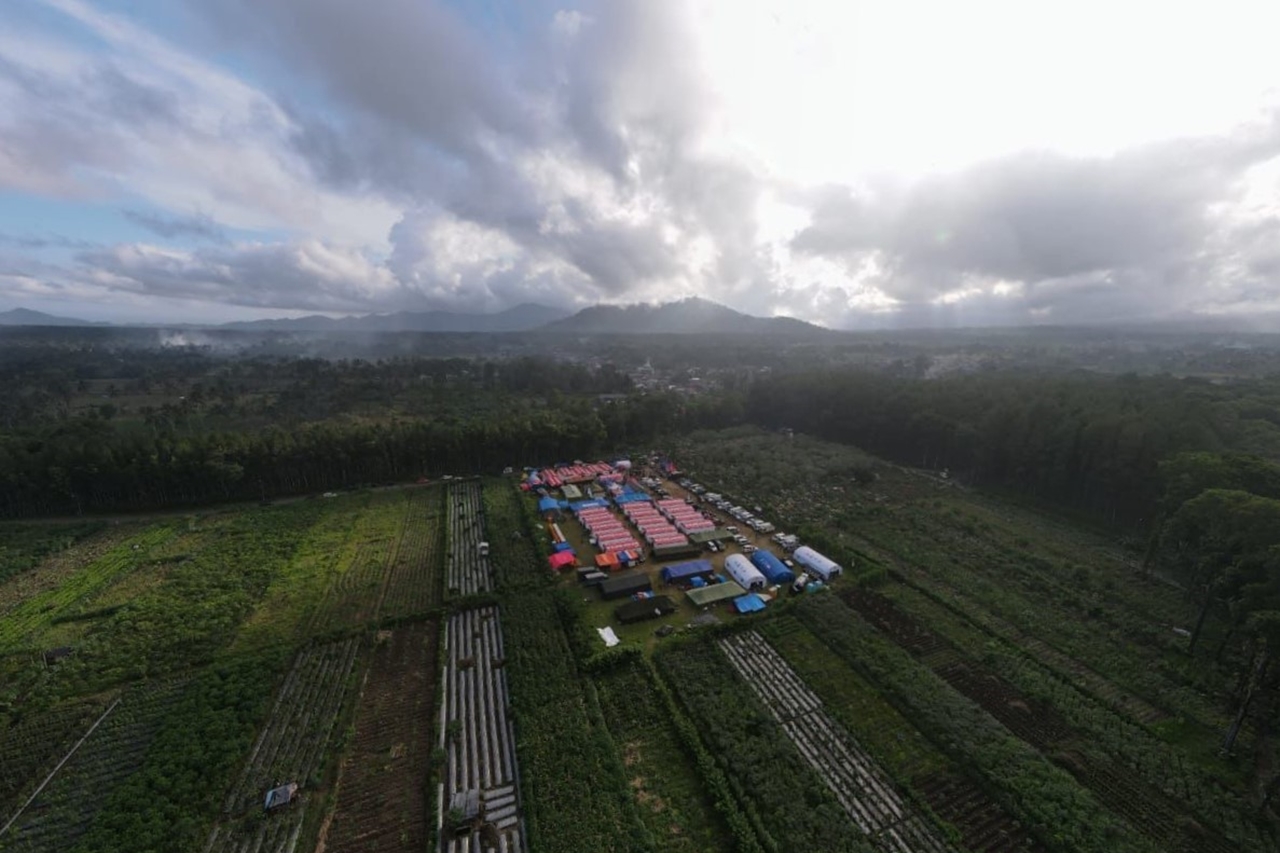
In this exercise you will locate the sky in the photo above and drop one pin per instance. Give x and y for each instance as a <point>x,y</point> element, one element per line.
<point>901,163</point>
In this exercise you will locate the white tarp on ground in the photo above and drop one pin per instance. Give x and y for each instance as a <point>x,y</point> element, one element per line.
<point>610,638</point>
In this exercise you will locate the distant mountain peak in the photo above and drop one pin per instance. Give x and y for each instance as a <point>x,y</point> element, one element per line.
<point>520,318</point>
<point>27,317</point>
<point>691,315</point>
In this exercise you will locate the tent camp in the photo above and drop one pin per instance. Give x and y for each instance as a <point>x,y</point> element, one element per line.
<point>646,608</point>
<point>716,592</point>
<point>620,586</point>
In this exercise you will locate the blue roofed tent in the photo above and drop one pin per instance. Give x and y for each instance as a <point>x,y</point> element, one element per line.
<point>685,571</point>
<point>548,506</point>
<point>562,546</point>
<point>749,603</point>
<point>771,567</point>
<point>579,506</point>
<point>631,498</point>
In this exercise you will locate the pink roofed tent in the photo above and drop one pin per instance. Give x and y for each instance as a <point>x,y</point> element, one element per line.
<point>562,559</point>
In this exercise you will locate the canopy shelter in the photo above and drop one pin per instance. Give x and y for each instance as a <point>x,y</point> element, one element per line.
<point>716,592</point>
<point>562,546</point>
<point>562,559</point>
<point>646,608</point>
<point>621,586</point>
<point>686,571</point>
<point>608,560</point>
<point>749,603</point>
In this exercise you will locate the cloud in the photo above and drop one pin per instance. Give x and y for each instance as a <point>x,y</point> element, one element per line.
<point>197,225</point>
<point>420,153</point>
<point>1140,231</point>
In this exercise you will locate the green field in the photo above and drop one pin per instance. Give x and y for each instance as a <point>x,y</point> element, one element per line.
<point>984,678</point>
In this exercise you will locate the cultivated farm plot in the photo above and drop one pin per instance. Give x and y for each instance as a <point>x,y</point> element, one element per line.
<point>414,582</point>
<point>381,802</point>
<point>29,750</point>
<point>290,749</point>
<point>64,810</point>
<point>31,601</point>
<point>476,733</point>
<point>468,572</point>
<point>862,788</point>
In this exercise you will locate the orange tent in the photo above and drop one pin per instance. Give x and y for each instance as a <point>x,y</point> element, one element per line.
<point>608,561</point>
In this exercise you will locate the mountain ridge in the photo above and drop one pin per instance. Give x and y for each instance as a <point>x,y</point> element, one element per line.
<point>693,315</point>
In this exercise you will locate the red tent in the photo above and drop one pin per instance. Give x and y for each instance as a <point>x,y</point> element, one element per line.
<point>562,559</point>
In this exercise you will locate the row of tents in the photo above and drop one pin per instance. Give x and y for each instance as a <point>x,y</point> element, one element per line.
<point>656,529</point>
<point>684,517</point>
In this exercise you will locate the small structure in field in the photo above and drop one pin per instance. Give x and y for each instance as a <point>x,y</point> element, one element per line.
<point>281,796</point>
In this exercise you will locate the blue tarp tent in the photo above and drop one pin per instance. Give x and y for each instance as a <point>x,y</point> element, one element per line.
<point>749,603</point>
<point>579,506</point>
<point>546,505</point>
<point>684,571</point>
<point>562,546</point>
<point>772,568</point>
<point>630,497</point>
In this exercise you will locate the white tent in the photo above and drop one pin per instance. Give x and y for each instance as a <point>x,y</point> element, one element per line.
<point>816,564</point>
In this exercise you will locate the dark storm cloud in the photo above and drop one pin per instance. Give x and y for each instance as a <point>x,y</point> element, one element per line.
<point>434,114</point>
<point>199,226</point>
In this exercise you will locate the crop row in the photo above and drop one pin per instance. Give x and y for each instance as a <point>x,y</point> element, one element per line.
<point>1120,661</point>
<point>1139,752</point>
<point>476,733</point>
<point>381,799</point>
<point>674,801</point>
<point>899,747</point>
<point>574,793</point>
<point>361,568</point>
<point>414,582</point>
<point>1044,797</point>
<point>862,788</point>
<point>169,803</point>
<point>786,798</point>
<point>65,810</point>
<point>28,615</point>
<point>33,746</point>
<point>289,749</point>
<point>23,546</point>
<point>468,572</point>
<point>291,746</point>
